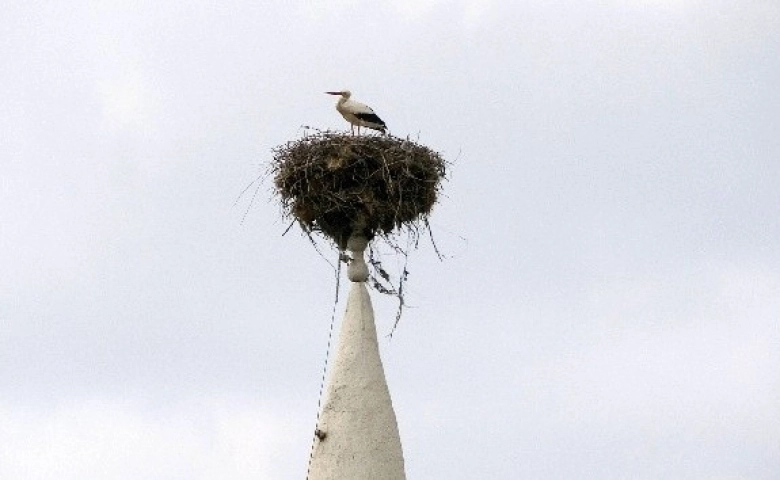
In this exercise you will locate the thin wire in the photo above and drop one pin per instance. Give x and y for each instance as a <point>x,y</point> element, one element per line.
<point>325,368</point>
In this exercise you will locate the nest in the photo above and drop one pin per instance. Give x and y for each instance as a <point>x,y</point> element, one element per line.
<point>337,184</point>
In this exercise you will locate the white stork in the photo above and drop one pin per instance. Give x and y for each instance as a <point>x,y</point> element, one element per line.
<point>357,114</point>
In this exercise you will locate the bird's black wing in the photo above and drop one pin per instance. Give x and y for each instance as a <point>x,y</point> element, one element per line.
<point>370,117</point>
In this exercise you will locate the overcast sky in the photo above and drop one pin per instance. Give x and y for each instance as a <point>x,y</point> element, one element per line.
<point>609,308</point>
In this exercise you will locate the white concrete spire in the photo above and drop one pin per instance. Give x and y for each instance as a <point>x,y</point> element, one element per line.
<point>357,436</point>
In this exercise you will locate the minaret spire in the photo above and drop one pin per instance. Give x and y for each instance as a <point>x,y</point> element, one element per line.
<point>357,436</point>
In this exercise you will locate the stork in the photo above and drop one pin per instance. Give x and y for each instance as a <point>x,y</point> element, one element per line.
<point>357,114</point>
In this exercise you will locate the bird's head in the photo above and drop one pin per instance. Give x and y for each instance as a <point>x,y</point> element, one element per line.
<point>344,93</point>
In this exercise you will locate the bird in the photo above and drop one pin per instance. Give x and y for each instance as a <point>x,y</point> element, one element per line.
<point>357,114</point>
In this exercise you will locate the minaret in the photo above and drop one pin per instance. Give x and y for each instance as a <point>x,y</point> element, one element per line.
<point>357,436</point>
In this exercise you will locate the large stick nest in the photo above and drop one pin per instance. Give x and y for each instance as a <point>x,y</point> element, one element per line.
<point>337,183</point>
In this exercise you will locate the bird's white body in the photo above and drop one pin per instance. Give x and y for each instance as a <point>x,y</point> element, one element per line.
<point>357,114</point>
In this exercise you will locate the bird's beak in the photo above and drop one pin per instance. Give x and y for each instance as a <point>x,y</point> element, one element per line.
<point>333,93</point>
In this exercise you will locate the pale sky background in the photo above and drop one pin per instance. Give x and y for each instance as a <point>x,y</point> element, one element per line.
<point>610,308</point>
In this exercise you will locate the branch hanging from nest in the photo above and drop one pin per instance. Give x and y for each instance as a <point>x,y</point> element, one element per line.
<point>333,184</point>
